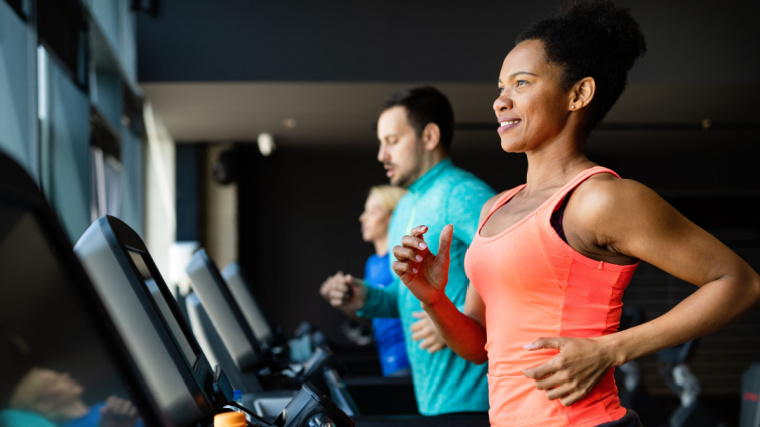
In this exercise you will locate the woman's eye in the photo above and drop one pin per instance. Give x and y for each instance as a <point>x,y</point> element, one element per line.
<point>520,83</point>
<point>501,90</point>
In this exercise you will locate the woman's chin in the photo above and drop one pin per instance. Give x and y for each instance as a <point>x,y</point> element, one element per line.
<point>509,147</point>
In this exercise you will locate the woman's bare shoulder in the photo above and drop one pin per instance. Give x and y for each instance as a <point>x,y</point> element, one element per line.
<point>606,203</point>
<point>607,192</point>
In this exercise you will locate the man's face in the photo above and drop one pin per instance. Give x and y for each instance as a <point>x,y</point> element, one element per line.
<point>400,150</point>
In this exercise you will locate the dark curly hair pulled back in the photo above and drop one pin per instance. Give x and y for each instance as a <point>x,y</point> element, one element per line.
<point>591,38</point>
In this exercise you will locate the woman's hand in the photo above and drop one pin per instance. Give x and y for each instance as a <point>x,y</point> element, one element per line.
<point>575,371</point>
<point>422,272</point>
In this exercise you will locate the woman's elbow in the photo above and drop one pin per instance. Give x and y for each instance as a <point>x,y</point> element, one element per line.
<point>480,360</point>
<point>755,288</point>
<point>748,280</point>
<point>476,358</point>
<point>747,291</point>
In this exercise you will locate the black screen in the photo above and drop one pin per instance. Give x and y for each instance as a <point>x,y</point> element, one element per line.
<point>52,350</point>
<point>168,315</point>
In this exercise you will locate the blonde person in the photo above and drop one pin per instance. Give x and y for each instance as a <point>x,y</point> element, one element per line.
<point>57,397</point>
<point>389,334</point>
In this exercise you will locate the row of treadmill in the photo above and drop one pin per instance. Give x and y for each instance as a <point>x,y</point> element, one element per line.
<point>84,327</point>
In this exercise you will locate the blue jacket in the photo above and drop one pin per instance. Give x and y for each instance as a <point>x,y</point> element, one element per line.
<point>389,334</point>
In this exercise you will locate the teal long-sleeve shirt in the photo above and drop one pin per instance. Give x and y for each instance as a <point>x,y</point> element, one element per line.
<point>443,382</point>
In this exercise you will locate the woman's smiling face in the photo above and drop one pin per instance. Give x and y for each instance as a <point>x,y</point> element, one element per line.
<point>531,108</point>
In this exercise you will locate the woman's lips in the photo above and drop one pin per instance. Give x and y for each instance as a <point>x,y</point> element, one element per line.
<point>507,125</point>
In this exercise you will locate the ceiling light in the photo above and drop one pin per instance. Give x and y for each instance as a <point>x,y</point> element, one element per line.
<point>289,122</point>
<point>266,143</point>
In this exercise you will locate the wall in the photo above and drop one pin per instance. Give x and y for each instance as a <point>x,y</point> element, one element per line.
<point>220,220</point>
<point>160,191</point>
<point>17,84</point>
<point>63,86</point>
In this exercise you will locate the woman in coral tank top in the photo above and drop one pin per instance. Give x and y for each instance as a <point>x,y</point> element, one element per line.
<point>552,257</point>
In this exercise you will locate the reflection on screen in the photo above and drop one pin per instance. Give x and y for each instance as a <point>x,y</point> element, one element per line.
<point>51,355</point>
<point>163,307</point>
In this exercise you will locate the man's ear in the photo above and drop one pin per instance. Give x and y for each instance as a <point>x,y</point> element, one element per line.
<point>431,136</point>
<point>582,94</point>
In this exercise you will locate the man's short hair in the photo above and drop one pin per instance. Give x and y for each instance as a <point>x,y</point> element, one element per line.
<point>424,105</point>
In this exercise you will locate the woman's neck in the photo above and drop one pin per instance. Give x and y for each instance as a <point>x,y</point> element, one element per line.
<point>558,160</point>
<point>554,168</point>
<point>381,246</point>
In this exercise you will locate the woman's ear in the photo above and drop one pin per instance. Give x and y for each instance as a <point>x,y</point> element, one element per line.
<point>431,136</point>
<point>582,93</point>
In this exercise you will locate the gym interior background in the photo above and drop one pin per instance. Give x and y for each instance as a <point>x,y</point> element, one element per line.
<point>129,107</point>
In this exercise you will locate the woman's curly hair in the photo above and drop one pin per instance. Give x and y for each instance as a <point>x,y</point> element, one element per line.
<point>591,38</point>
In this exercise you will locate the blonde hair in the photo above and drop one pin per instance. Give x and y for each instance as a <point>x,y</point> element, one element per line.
<point>28,392</point>
<point>389,195</point>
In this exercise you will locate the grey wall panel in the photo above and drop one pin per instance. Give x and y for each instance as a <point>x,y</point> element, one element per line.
<point>66,156</point>
<point>132,160</point>
<point>17,105</point>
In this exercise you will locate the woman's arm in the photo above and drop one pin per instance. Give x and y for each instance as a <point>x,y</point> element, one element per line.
<point>608,217</point>
<point>465,333</point>
<point>426,275</point>
<point>641,224</point>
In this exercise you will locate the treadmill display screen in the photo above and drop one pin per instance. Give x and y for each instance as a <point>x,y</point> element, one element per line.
<point>163,307</point>
<point>56,357</point>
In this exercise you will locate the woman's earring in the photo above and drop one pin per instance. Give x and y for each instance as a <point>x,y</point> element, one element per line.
<point>572,107</point>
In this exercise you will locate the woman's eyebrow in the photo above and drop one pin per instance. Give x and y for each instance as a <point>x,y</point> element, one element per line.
<point>513,75</point>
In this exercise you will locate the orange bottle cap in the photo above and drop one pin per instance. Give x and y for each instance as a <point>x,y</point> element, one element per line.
<point>230,419</point>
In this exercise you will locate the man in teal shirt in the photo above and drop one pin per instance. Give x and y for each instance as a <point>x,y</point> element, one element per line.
<point>415,130</point>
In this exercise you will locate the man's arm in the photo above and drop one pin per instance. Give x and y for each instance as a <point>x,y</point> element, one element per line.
<point>352,296</point>
<point>380,302</point>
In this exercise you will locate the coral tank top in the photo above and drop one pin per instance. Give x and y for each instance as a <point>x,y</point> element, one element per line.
<point>534,285</point>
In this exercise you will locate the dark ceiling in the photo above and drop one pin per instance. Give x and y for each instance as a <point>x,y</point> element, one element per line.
<point>227,70</point>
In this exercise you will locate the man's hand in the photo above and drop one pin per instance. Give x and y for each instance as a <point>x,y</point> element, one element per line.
<point>344,292</point>
<point>426,333</point>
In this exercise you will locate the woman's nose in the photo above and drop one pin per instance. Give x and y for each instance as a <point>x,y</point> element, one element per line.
<point>502,103</point>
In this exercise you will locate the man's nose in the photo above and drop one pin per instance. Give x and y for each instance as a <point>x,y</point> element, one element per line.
<point>382,154</point>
